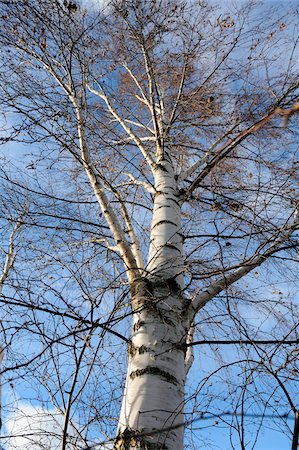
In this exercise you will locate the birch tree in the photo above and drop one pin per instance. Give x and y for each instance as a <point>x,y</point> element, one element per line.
<point>164,150</point>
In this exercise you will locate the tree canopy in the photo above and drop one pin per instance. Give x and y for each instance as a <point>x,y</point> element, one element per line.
<point>149,171</point>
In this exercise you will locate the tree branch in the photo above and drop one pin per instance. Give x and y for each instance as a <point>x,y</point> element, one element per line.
<point>148,187</point>
<point>122,122</point>
<point>244,341</point>
<point>143,97</point>
<point>124,247</point>
<point>202,298</point>
<point>10,256</point>
<point>227,148</point>
<point>153,107</point>
<point>189,357</point>
<point>224,151</point>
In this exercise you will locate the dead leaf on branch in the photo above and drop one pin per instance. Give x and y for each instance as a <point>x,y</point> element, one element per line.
<point>227,22</point>
<point>43,43</point>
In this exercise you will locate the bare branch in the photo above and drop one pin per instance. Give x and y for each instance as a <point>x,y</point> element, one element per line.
<point>226,149</point>
<point>189,357</point>
<point>114,225</point>
<point>10,256</point>
<point>148,187</point>
<point>202,298</point>
<point>122,122</point>
<point>143,97</point>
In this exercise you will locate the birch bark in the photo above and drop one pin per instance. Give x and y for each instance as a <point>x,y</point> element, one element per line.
<point>152,409</point>
<point>166,240</point>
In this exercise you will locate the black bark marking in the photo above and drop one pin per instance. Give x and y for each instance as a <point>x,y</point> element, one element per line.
<point>161,167</point>
<point>137,350</point>
<point>169,199</point>
<point>136,438</point>
<point>138,325</point>
<point>173,285</point>
<point>164,221</point>
<point>174,247</point>
<point>141,287</point>
<point>154,371</point>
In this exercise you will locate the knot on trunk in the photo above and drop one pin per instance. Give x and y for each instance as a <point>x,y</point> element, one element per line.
<point>146,286</point>
<point>128,439</point>
<point>141,287</point>
<point>148,293</point>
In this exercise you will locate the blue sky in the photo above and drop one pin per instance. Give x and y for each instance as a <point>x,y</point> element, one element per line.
<point>269,438</point>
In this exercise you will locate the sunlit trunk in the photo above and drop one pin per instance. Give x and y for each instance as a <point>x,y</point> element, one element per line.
<point>152,409</point>
<point>1,357</point>
<point>166,241</point>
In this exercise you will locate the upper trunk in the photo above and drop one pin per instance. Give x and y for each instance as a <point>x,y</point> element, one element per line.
<point>166,243</point>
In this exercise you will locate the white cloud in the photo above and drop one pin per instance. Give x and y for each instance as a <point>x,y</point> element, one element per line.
<point>98,5</point>
<point>34,428</point>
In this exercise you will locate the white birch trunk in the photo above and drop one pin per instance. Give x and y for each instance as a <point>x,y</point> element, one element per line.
<point>1,357</point>
<point>152,409</point>
<point>166,242</point>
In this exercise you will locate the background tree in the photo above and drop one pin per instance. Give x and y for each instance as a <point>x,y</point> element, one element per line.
<point>156,201</point>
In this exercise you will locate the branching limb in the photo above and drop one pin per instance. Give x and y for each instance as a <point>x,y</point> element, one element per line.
<point>143,98</point>
<point>157,121</point>
<point>209,162</point>
<point>112,248</point>
<point>70,400</point>
<point>124,125</point>
<point>178,97</point>
<point>122,244</point>
<point>203,297</point>
<point>10,256</point>
<point>124,247</point>
<point>287,113</point>
<point>136,250</point>
<point>135,245</point>
<point>128,140</point>
<point>189,358</point>
<point>184,175</point>
<point>141,125</point>
<point>148,187</point>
